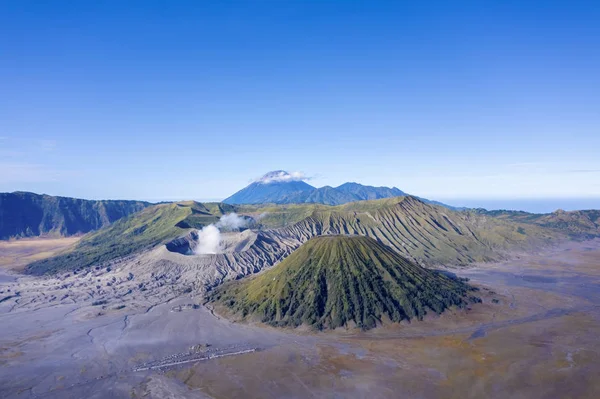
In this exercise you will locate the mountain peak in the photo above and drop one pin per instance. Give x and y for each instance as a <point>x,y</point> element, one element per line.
<point>278,187</point>
<point>283,187</point>
<point>281,176</point>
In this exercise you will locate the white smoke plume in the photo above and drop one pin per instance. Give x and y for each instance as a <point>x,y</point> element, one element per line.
<point>209,238</point>
<point>232,221</point>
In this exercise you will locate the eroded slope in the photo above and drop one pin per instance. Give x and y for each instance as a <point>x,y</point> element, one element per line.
<point>334,281</point>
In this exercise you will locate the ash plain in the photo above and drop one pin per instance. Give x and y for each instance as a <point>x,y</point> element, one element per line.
<point>535,335</point>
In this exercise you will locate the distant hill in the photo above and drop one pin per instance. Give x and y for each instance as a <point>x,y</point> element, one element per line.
<point>280,187</point>
<point>369,192</point>
<point>427,234</point>
<point>329,196</point>
<point>584,224</point>
<point>341,281</point>
<point>24,214</point>
<point>417,230</point>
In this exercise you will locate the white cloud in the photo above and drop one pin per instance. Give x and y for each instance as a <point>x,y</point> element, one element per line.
<point>282,176</point>
<point>19,172</point>
<point>232,221</point>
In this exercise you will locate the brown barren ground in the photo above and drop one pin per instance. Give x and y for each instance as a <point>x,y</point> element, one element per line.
<point>16,254</point>
<point>534,336</point>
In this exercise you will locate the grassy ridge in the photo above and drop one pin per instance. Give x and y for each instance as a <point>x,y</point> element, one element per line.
<point>425,232</point>
<point>334,281</point>
<point>138,232</point>
<point>275,216</point>
<point>583,224</point>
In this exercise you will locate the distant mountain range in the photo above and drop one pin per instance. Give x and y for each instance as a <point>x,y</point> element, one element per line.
<point>281,187</point>
<point>424,233</point>
<point>25,214</point>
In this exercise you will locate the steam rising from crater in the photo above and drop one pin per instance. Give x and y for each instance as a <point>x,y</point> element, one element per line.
<point>209,238</point>
<point>232,221</point>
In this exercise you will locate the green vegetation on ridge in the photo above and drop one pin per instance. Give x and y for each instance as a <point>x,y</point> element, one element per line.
<point>335,281</point>
<point>428,233</point>
<point>584,224</point>
<point>152,226</point>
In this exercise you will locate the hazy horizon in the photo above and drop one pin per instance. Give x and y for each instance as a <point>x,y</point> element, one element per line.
<point>533,205</point>
<point>541,205</point>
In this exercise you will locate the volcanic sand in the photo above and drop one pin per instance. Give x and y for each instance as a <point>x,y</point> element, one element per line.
<point>15,254</point>
<point>535,335</point>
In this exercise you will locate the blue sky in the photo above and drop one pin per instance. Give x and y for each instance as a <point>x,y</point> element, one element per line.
<point>153,100</point>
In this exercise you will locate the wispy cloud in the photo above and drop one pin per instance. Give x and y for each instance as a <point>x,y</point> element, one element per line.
<point>21,172</point>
